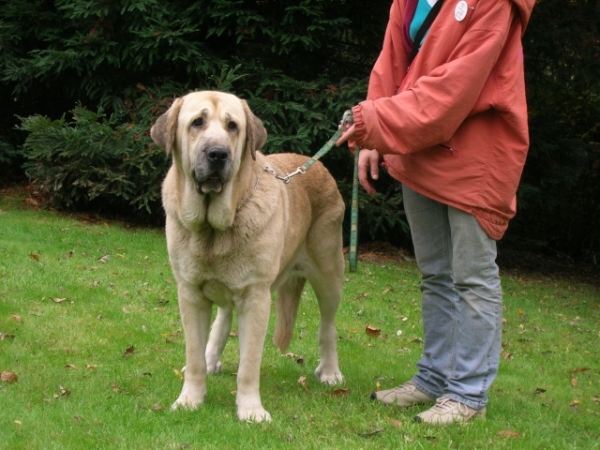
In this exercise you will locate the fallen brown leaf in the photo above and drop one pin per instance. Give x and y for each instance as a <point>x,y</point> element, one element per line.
<point>298,358</point>
<point>34,256</point>
<point>64,392</point>
<point>16,317</point>
<point>302,382</point>
<point>168,337</point>
<point>372,331</point>
<point>129,351</point>
<point>395,423</point>
<point>9,377</point>
<point>70,366</point>
<point>59,300</point>
<point>340,392</point>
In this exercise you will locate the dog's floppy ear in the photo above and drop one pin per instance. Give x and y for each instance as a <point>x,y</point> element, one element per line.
<point>256,134</point>
<point>164,131</point>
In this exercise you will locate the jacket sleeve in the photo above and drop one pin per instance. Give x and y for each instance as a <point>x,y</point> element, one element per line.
<point>390,68</point>
<point>429,109</point>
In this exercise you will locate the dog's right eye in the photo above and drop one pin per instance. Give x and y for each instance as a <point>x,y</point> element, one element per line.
<point>198,122</point>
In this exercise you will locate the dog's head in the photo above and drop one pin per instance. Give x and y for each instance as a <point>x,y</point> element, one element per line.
<point>209,134</point>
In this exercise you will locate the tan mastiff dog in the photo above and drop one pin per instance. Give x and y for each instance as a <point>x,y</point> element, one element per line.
<point>235,234</point>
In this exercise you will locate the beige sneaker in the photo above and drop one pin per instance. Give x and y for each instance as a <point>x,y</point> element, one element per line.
<point>447,411</point>
<point>404,395</point>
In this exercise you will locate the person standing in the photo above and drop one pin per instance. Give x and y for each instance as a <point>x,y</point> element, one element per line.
<point>446,112</point>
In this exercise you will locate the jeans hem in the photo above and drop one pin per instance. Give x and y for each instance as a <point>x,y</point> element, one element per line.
<point>470,403</point>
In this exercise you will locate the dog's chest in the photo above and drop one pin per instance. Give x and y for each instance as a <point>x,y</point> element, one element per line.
<point>221,272</point>
<point>218,293</point>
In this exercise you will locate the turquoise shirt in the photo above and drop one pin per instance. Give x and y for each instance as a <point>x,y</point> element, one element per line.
<point>423,8</point>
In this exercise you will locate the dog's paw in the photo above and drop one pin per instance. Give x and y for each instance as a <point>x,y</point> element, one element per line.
<point>254,415</point>
<point>189,399</point>
<point>184,404</point>
<point>330,377</point>
<point>213,367</point>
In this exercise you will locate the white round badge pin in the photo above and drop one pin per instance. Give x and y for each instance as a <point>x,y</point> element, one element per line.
<point>460,12</point>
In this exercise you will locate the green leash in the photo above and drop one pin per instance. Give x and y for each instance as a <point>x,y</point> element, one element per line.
<point>353,252</point>
<point>347,118</point>
<point>328,146</point>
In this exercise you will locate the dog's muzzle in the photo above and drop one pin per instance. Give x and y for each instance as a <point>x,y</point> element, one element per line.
<point>212,169</point>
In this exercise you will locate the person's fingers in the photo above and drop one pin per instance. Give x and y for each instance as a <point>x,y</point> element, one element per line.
<point>366,171</point>
<point>374,164</point>
<point>347,135</point>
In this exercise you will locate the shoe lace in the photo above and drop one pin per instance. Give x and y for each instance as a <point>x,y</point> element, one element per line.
<point>404,388</point>
<point>445,405</point>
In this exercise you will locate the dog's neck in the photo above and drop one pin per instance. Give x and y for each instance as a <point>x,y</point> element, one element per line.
<point>249,196</point>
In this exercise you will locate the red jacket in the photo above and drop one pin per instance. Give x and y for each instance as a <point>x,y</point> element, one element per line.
<point>454,127</point>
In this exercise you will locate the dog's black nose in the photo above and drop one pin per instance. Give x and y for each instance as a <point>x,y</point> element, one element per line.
<point>218,154</point>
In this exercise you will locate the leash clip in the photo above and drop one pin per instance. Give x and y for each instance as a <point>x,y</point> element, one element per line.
<point>286,179</point>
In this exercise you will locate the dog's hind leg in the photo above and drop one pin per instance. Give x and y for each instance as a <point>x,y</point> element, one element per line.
<point>286,309</point>
<point>217,340</point>
<point>327,280</point>
<point>329,295</point>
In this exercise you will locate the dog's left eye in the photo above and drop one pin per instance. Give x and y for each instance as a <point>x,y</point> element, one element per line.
<point>198,122</point>
<point>232,126</point>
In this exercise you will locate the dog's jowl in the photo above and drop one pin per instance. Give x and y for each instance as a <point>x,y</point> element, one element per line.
<point>235,234</point>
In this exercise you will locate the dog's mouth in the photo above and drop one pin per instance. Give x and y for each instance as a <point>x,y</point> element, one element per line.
<point>212,169</point>
<point>212,183</point>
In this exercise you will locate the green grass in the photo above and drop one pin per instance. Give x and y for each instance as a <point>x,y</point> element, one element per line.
<point>79,387</point>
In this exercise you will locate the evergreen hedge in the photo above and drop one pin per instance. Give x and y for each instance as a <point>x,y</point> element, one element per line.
<point>83,80</point>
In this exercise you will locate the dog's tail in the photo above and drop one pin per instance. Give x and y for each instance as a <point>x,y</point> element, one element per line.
<point>288,300</point>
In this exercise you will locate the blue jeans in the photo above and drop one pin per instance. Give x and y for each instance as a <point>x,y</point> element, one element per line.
<point>461,301</point>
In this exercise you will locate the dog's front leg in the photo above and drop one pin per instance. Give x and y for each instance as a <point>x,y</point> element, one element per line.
<point>195,316</point>
<point>253,320</point>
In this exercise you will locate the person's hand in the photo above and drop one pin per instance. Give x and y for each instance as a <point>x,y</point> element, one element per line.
<point>368,161</point>
<point>347,136</point>
<point>368,169</point>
